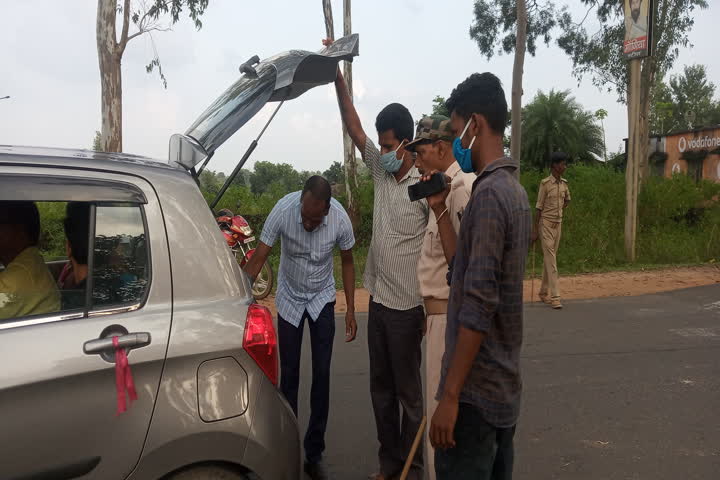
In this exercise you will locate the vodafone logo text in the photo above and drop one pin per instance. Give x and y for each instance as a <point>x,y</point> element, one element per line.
<point>682,145</point>
<point>697,143</point>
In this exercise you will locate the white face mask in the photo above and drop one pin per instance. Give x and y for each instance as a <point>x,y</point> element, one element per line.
<point>390,162</point>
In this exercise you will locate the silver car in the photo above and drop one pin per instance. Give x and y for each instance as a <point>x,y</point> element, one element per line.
<point>161,285</point>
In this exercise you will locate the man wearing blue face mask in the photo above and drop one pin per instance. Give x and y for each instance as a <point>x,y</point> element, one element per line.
<point>479,395</point>
<point>396,318</point>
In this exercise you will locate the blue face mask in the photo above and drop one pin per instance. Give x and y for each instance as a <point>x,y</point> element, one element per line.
<point>390,162</point>
<point>463,155</point>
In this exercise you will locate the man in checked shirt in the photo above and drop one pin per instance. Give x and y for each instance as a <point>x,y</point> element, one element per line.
<point>433,146</point>
<point>479,394</point>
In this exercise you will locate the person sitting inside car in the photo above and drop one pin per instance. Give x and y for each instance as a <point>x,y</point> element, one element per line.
<point>76,225</point>
<point>26,285</point>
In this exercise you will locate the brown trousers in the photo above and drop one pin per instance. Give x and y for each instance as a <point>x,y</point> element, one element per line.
<point>550,234</point>
<point>434,350</point>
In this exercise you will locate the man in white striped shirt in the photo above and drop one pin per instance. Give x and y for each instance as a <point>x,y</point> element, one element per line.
<point>310,224</point>
<point>396,318</point>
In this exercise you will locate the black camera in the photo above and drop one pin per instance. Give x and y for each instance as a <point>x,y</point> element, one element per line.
<point>436,184</point>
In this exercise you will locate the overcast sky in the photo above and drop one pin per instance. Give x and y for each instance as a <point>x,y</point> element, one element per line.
<point>410,51</point>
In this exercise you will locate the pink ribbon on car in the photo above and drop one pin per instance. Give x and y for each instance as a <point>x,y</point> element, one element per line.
<point>123,377</point>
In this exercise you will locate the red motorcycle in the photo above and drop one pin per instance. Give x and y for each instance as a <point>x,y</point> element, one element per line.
<point>239,237</point>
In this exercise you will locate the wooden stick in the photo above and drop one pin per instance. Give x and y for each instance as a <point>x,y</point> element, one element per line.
<point>413,450</point>
<point>532,279</point>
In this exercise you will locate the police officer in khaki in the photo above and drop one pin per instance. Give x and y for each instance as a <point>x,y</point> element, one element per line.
<point>553,198</point>
<point>433,148</point>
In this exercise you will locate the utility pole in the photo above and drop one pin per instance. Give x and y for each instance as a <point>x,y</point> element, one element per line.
<point>351,181</point>
<point>632,172</point>
<point>636,47</point>
<point>349,163</point>
<point>329,26</point>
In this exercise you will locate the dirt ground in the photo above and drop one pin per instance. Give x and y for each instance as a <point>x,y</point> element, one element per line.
<point>593,285</point>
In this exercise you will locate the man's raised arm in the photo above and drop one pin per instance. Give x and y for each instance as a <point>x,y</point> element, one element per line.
<point>349,114</point>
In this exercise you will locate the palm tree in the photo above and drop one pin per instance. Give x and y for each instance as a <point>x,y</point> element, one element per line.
<point>556,122</point>
<point>601,114</point>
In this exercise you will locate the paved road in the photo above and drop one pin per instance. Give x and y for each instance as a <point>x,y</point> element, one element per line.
<point>622,388</point>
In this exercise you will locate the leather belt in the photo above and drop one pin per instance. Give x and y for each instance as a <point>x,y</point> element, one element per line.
<point>433,306</point>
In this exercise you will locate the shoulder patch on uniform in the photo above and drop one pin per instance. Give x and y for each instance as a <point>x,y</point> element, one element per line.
<point>564,180</point>
<point>546,180</point>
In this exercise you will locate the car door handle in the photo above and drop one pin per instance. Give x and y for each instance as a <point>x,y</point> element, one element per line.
<point>128,341</point>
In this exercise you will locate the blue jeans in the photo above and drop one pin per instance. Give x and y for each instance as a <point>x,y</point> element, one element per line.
<point>482,452</point>
<point>322,334</point>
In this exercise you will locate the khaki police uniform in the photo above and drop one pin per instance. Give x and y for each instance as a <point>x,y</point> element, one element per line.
<point>552,198</point>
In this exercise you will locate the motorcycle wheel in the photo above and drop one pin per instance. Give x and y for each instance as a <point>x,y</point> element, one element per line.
<point>263,283</point>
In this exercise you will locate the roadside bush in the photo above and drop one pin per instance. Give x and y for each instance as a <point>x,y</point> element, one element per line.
<point>679,219</point>
<point>366,192</point>
<point>593,224</point>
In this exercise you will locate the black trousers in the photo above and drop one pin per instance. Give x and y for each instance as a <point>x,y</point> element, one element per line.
<point>482,451</point>
<point>322,334</point>
<point>394,345</point>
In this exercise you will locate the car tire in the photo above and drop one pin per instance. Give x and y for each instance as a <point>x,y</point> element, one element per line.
<point>210,472</point>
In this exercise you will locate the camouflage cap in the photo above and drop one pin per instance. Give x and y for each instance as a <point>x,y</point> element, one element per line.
<point>432,128</point>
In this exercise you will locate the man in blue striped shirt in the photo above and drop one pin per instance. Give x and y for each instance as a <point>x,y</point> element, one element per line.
<point>310,224</point>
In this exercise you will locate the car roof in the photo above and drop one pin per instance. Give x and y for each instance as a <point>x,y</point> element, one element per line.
<point>78,158</point>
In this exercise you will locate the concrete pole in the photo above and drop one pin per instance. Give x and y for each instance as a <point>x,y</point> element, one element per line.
<point>632,172</point>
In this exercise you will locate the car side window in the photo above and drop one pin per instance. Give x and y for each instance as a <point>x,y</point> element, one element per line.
<point>120,260</point>
<point>52,252</point>
<point>27,284</point>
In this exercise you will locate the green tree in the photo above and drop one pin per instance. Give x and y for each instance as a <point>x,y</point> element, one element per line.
<point>335,174</point>
<point>556,122</point>
<point>243,178</point>
<point>238,199</point>
<point>97,145</point>
<point>506,26</point>
<point>265,174</point>
<point>688,92</point>
<point>146,18</point>
<point>210,182</point>
<point>305,174</point>
<point>661,110</point>
<point>438,106</point>
<point>598,53</point>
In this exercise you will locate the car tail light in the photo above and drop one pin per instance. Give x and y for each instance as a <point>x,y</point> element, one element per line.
<point>260,340</point>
